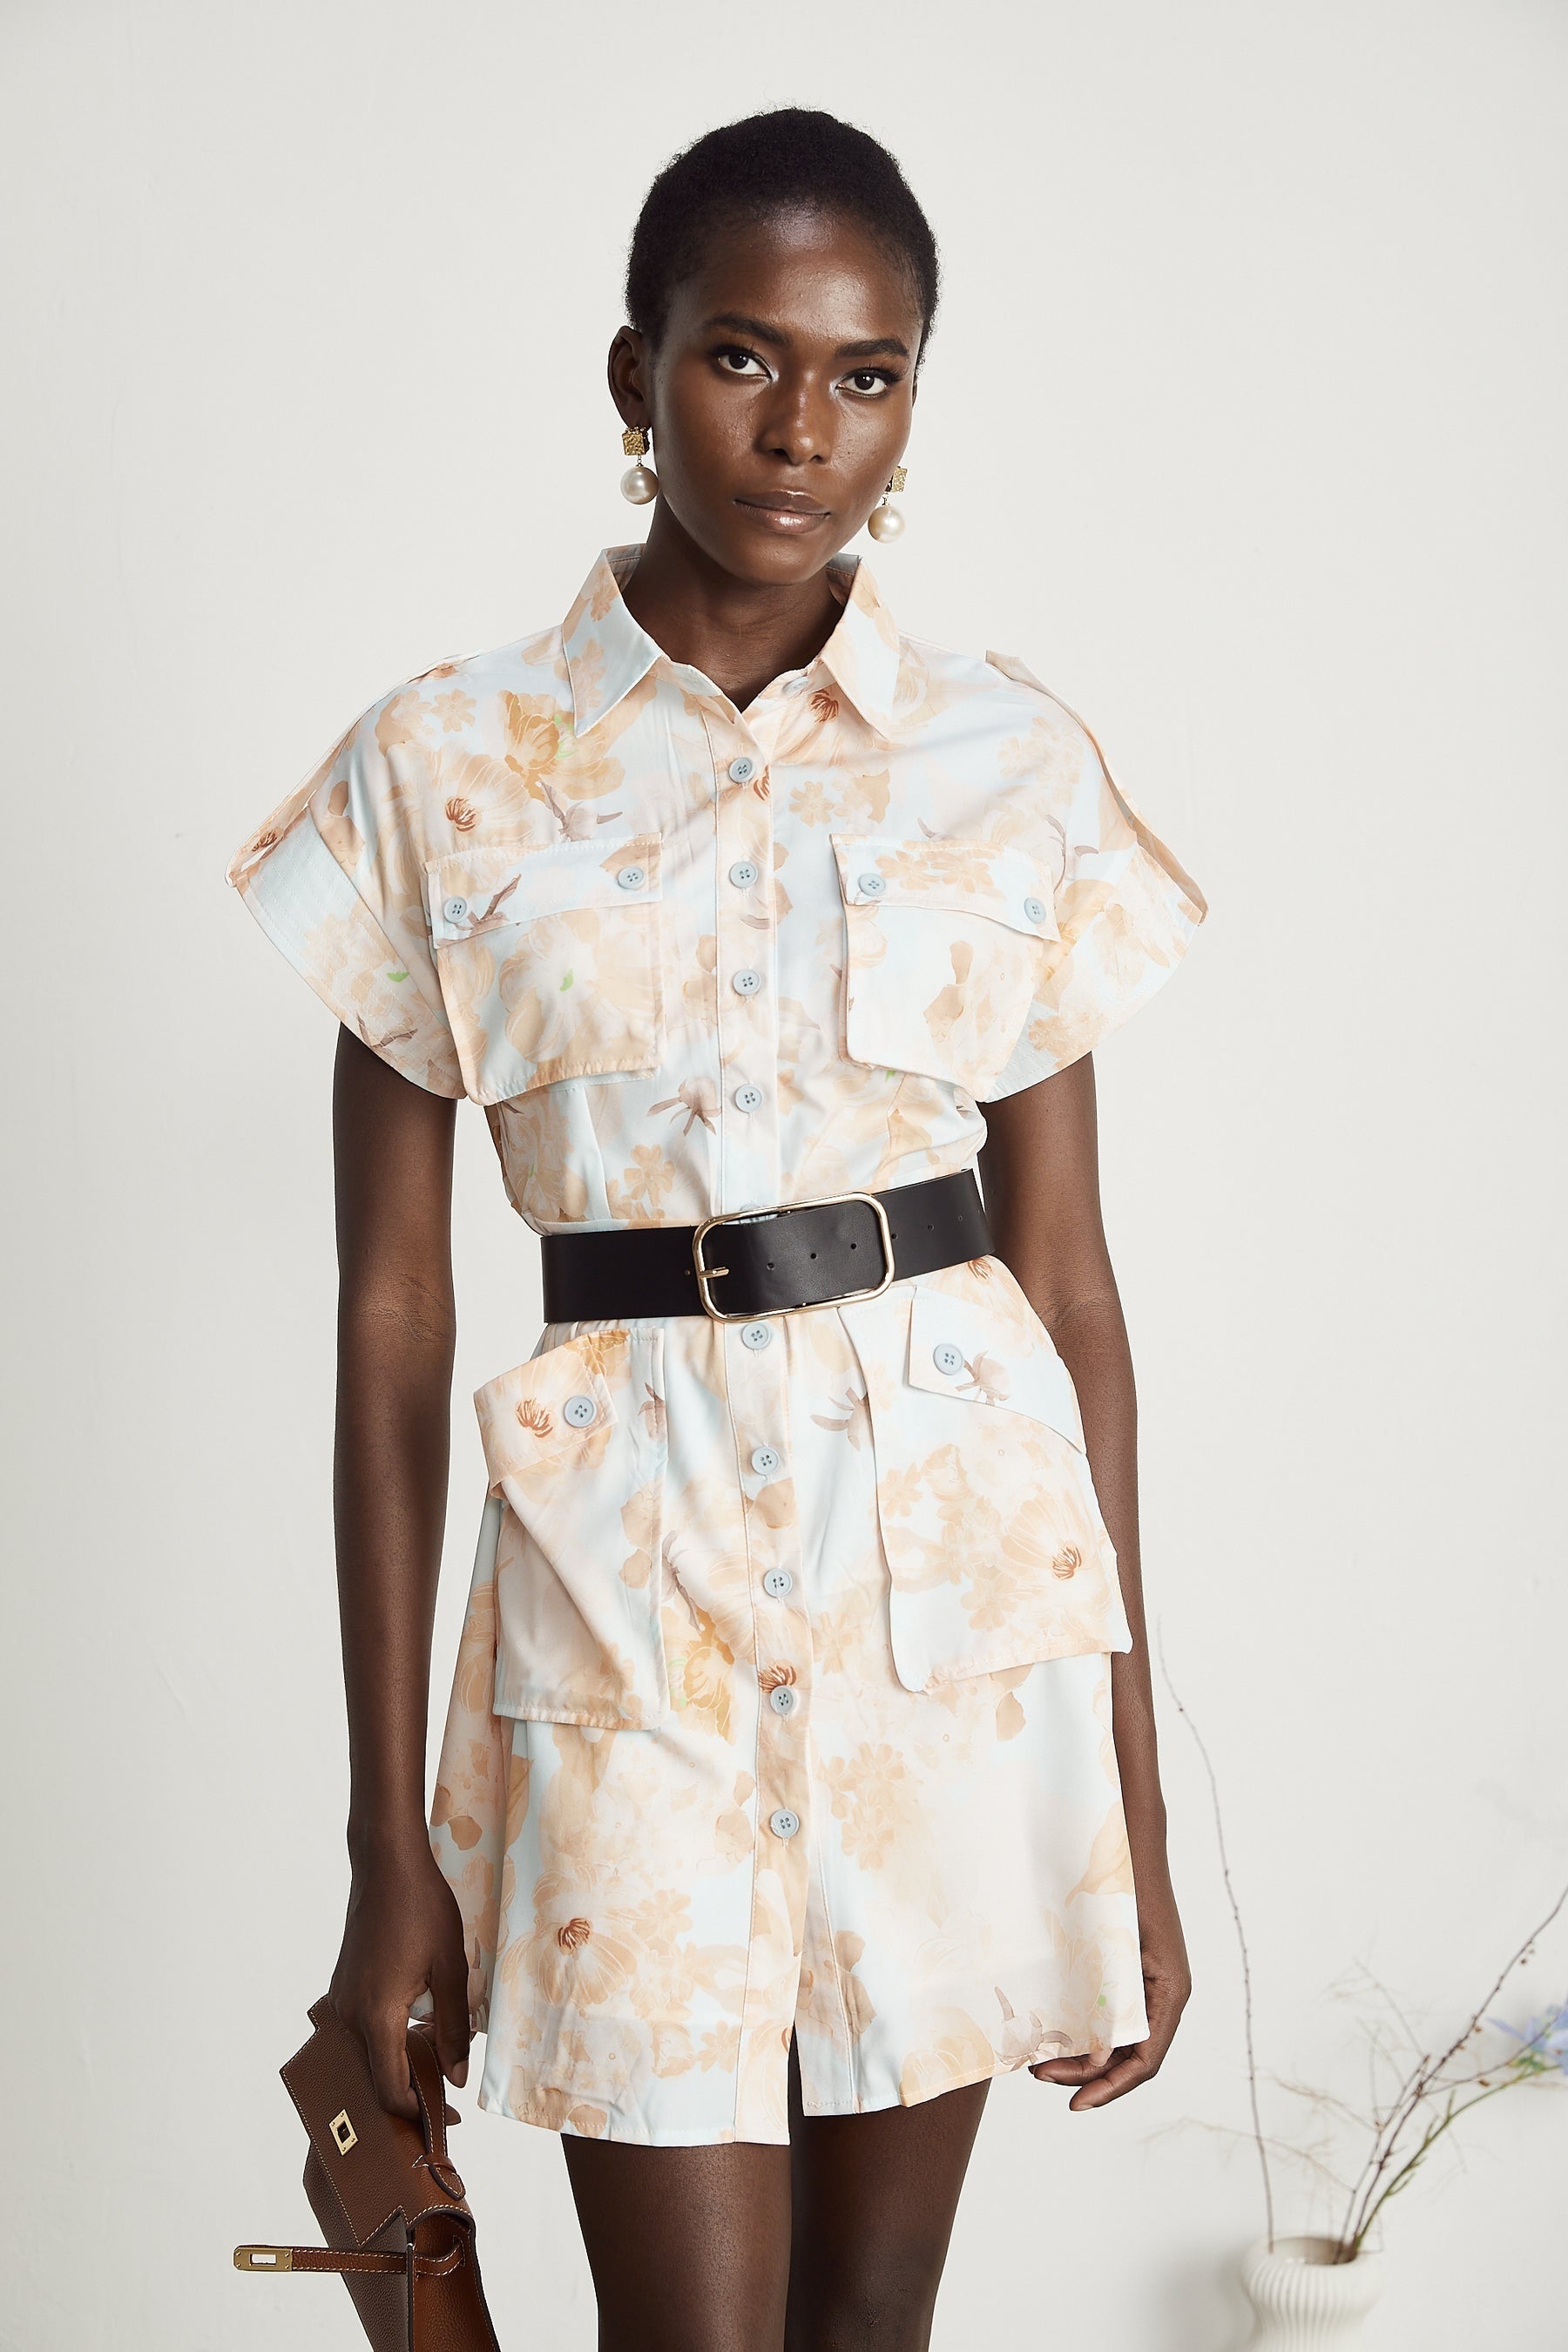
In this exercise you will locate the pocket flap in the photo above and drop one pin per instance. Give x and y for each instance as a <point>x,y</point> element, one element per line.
<point>981,877</point>
<point>531,1414</point>
<point>574,1443</point>
<point>487,889</point>
<point>998,1556</point>
<point>965,1348</point>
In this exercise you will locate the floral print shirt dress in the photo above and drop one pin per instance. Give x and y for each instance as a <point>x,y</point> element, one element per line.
<point>783,1706</point>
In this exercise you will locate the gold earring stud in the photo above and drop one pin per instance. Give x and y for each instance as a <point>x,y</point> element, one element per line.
<point>639,483</point>
<point>884,522</point>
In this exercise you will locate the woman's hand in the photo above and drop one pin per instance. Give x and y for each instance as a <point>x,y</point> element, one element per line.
<point>1103,2075</point>
<point>404,1935</point>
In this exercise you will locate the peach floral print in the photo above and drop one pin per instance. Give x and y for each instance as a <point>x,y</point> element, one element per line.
<point>779,1659</point>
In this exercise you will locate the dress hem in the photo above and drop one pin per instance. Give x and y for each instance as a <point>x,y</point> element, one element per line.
<point>549,2112</point>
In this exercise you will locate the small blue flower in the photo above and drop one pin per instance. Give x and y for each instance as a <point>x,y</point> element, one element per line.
<point>1542,2043</point>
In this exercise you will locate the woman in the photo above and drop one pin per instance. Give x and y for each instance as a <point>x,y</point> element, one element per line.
<point>800,1766</point>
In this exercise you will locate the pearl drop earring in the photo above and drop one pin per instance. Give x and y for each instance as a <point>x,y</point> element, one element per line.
<point>638,483</point>
<point>885,522</point>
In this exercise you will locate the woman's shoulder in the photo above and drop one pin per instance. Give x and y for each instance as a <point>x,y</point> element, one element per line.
<point>415,759</point>
<point>468,698</point>
<point>997,697</point>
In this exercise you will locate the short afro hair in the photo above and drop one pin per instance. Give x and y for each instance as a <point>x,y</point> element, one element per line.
<point>753,170</point>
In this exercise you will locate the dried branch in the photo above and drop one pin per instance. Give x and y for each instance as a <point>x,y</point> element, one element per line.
<point>1387,2169</point>
<point>1260,2142</point>
<point>1288,2150</point>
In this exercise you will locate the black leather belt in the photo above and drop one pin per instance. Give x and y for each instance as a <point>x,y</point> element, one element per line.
<point>756,1262</point>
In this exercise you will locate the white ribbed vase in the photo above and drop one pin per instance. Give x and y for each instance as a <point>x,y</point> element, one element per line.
<point>1304,2299</point>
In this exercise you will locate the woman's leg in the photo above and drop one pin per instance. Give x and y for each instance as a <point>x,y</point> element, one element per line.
<point>689,2247</point>
<point>873,2201</point>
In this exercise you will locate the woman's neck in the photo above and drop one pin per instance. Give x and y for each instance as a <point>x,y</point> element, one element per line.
<point>739,632</point>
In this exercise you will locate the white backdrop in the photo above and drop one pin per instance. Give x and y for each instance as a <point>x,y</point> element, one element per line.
<point>1243,427</point>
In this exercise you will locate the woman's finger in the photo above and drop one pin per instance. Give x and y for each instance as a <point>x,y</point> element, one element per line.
<point>1134,2067</point>
<point>1080,2069</point>
<point>449,1997</point>
<point>385,2037</point>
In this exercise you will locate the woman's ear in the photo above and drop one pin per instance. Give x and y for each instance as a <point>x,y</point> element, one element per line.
<point>627,369</point>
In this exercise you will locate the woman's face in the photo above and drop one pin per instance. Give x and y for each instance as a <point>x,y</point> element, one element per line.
<point>779,394</point>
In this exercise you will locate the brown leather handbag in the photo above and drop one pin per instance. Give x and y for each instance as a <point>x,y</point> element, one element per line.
<point>389,2199</point>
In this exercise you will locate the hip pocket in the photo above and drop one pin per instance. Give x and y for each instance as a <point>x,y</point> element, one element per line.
<point>997,1555</point>
<point>549,960</point>
<point>574,1444</point>
<point>946,948</point>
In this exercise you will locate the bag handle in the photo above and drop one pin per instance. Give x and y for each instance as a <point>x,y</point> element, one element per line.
<point>280,2259</point>
<point>430,2089</point>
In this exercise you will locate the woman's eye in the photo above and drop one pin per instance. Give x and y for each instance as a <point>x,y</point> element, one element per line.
<point>735,360</point>
<point>869,380</point>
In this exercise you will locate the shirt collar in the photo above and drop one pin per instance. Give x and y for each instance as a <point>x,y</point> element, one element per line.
<point>608,652</point>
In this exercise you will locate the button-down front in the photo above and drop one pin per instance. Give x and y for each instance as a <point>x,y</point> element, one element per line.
<point>854,1580</point>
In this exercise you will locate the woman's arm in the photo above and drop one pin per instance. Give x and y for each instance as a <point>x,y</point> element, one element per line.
<point>397,1331</point>
<point>1040,1172</point>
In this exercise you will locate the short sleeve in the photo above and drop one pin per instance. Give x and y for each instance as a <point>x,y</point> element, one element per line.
<point>1125,912</point>
<point>333,877</point>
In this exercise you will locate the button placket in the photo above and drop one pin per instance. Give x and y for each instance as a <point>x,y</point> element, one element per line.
<point>744,976</point>
<point>756,1358</point>
<point>780,1654</point>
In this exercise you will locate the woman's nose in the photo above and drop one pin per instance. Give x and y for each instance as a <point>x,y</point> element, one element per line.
<point>799,424</point>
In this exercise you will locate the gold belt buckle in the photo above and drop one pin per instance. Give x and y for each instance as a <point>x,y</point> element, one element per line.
<point>707,1273</point>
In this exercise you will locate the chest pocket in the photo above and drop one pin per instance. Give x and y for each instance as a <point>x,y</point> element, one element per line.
<point>574,1444</point>
<point>997,1555</point>
<point>549,960</point>
<point>947,948</point>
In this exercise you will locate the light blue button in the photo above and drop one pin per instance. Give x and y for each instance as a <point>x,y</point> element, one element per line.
<point>742,874</point>
<point>748,1097</point>
<point>782,1699</point>
<point>764,1461</point>
<point>1035,909</point>
<point>947,1357</point>
<point>871,885</point>
<point>742,769</point>
<point>746,982</point>
<point>784,1823</point>
<point>632,877</point>
<point>756,1334</point>
<point>778,1584</point>
<point>455,910</point>
<point>580,1411</point>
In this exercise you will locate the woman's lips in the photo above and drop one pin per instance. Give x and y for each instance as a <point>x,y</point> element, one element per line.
<point>787,510</point>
